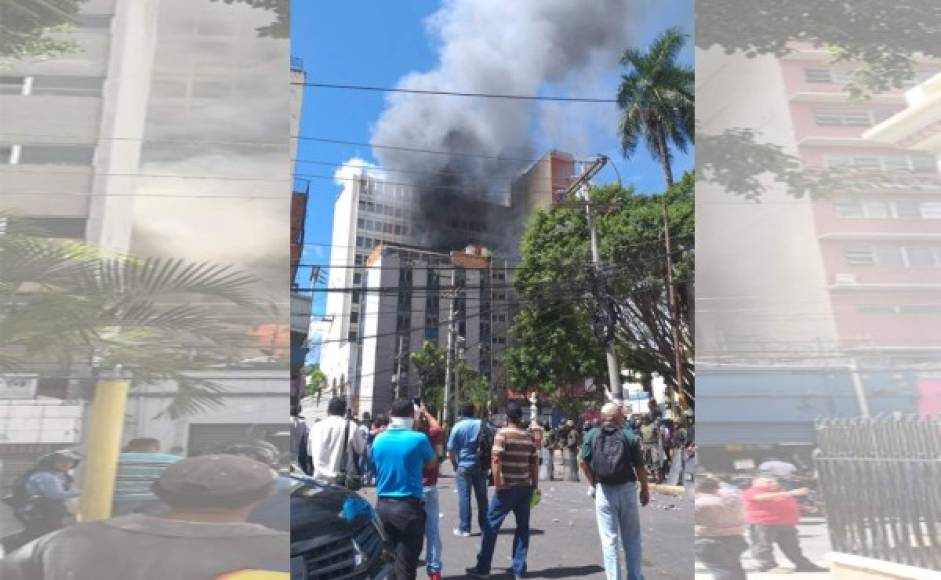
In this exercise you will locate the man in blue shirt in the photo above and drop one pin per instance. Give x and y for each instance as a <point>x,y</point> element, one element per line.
<point>470,475</point>
<point>401,454</point>
<point>139,465</point>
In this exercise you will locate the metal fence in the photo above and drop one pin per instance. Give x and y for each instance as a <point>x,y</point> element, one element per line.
<point>881,482</point>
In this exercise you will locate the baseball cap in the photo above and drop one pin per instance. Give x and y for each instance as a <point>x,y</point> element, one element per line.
<point>215,480</point>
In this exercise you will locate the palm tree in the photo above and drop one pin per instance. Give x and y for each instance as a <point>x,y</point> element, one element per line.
<point>64,302</point>
<point>656,100</point>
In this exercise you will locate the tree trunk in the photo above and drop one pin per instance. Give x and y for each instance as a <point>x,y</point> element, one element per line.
<point>664,156</point>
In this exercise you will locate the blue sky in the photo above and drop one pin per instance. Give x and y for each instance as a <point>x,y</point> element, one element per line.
<point>375,42</point>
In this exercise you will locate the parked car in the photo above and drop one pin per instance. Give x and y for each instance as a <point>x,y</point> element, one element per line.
<point>335,534</point>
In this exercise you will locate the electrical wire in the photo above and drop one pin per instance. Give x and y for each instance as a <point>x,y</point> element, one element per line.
<point>454,93</point>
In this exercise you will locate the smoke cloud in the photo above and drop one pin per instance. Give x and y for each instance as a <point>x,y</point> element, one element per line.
<point>492,46</point>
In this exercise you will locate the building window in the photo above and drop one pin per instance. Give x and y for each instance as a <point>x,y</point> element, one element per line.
<point>14,85</point>
<point>358,260</point>
<point>850,118</point>
<point>890,256</point>
<point>357,279</point>
<point>931,210</point>
<point>50,227</point>
<point>57,154</point>
<point>67,86</point>
<point>860,255</point>
<point>876,209</point>
<point>919,257</point>
<point>355,296</point>
<point>354,317</point>
<point>875,308</point>
<point>93,21</point>
<point>848,209</point>
<point>360,242</point>
<point>817,75</point>
<point>908,209</point>
<point>360,223</point>
<point>352,336</point>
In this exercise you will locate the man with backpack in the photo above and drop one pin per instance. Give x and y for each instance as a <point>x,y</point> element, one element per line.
<point>612,462</point>
<point>516,479</point>
<point>469,450</point>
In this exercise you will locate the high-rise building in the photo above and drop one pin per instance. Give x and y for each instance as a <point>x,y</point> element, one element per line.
<point>71,126</point>
<point>372,211</point>
<point>407,302</point>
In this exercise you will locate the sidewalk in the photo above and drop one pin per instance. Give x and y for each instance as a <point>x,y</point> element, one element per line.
<point>815,543</point>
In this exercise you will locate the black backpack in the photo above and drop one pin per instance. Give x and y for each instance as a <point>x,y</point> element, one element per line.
<point>484,447</point>
<point>611,457</point>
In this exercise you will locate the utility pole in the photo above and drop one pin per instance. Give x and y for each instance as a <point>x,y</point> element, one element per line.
<point>674,316</point>
<point>449,362</point>
<point>398,368</point>
<point>581,186</point>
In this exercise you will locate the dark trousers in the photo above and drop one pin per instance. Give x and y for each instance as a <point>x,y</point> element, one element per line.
<point>722,556</point>
<point>764,538</point>
<point>516,500</point>
<point>404,524</point>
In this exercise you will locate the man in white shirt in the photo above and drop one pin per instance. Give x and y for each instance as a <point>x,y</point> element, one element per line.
<point>328,438</point>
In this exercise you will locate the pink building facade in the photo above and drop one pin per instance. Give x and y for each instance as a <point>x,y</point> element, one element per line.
<point>879,239</point>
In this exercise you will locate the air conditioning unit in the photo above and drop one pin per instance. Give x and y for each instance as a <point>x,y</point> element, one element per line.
<point>844,279</point>
<point>18,385</point>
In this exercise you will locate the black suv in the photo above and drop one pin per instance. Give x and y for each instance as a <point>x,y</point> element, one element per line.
<point>335,534</point>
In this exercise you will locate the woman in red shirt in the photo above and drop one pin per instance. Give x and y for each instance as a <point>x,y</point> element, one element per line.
<point>774,514</point>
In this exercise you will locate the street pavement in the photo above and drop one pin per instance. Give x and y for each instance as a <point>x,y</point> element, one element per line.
<point>564,541</point>
<point>815,542</point>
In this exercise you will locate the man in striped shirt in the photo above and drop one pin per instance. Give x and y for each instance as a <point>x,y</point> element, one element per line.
<point>515,467</point>
<point>139,465</point>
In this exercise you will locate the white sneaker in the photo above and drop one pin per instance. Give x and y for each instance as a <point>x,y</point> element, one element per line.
<point>458,532</point>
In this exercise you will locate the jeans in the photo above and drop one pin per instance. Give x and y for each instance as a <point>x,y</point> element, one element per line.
<point>618,513</point>
<point>516,500</point>
<point>722,556</point>
<point>432,533</point>
<point>765,537</point>
<point>404,525</point>
<point>471,478</point>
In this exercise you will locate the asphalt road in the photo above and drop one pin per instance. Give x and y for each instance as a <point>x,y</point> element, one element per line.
<point>564,541</point>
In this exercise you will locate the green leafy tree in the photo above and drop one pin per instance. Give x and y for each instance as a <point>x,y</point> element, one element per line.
<point>656,99</point>
<point>430,364</point>
<point>316,381</point>
<point>556,337</point>
<point>280,27</point>
<point>474,387</point>
<point>883,40</point>
<point>28,28</point>
<point>880,45</point>
<point>64,303</point>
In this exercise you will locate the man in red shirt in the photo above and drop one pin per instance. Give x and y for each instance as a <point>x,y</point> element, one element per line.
<point>427,424</point>
<point>774,514</point>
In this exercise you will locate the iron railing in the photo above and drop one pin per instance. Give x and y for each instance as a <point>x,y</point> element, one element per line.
<point>881,483</point>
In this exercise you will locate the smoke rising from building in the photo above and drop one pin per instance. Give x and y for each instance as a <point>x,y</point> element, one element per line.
<point>491,46</point>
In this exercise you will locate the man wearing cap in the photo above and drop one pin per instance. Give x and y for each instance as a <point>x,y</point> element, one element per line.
<point>515,467</point>
<point>613,463</point>
<point>401,456</point>
<point>209,498</point>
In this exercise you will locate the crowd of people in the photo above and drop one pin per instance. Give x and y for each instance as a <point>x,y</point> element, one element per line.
<point>401,455</point>
<point>767,513</point>
<point>221,515</point>
<point>665,443</point>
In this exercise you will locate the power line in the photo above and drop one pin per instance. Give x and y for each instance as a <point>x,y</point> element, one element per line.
<point>455,93</point>
<point>415,150</point>
<point>93,173</point>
